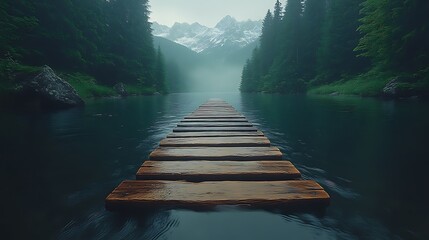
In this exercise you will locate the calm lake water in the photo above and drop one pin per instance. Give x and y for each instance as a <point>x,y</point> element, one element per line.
<point>370,155</point>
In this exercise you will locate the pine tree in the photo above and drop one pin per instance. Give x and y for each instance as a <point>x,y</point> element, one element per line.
<point>246,78</point>
<point>376,26</point>
<point>285,69</point>
<point>311,32</point>
<point>278,13</point>
<point>267,43</point>
<point>337,58</point>
<point>129,26</point>
<point>395,34</point>
<point>251,74</point>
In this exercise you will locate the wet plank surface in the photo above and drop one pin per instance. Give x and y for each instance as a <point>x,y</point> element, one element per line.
<point>216,124</point>
<point>218,110</point>
<point>218,171</point>
<point>213,134</point>
<point>215,129</point>
<point>179,194</point>
<point>213,116</point>
<point>216,153</point>
<point>215,120</point>
<point>216,142</point>
<point>215,108</point>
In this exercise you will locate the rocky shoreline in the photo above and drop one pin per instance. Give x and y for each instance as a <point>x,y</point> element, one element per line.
<point>47,90</point>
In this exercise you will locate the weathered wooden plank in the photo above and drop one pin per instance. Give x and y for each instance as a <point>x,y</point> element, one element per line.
<point>213,116</point>
<point>179,194</point>
<point>213,134</point>
<point>216,142</point>
<point>216,102</point>
<point>215,109</point>
<point>215,120</point>
<point>215,112</point>
<point>216,124</point>
<point>215,105</point>
<point>215,129</point>
<point>216,153</point>
<point>218,171</point>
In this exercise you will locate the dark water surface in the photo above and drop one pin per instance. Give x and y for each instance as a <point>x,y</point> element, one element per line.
<point>370,155</point>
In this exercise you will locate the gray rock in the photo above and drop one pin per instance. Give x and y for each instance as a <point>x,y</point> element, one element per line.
<point>52,89</point>
<point>391,88</point>
<point>401,87</point>
<point>120,89</point>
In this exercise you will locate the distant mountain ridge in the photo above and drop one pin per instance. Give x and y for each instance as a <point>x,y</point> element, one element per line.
<point>199,58</point>
<point>227,34</point>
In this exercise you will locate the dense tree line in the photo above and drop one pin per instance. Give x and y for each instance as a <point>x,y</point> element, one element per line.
<point>317,42</point>
<point>109,40</point>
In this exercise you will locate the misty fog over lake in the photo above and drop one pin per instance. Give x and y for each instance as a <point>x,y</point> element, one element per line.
<point>200,58</point>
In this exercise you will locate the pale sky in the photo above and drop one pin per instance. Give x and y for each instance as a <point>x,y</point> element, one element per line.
<point>207,12</point>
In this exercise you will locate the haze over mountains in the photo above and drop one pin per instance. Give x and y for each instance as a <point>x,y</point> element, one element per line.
<point>200,58</point>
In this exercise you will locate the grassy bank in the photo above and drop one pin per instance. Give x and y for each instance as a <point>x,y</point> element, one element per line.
<point>369,84</point>
<point>12,73</point>
<point>372,83</point>
<point>139,90</point>
<point>87,87</point>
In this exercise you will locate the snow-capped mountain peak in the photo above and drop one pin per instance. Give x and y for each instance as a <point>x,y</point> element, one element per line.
<point>227,22</point>
<point>227,33</point>
<point>160,30</point>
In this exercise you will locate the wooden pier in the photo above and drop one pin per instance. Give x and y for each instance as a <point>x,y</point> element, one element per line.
<point>216,157</point>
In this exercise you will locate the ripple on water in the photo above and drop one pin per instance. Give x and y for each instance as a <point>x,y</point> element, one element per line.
<point>338,186</point>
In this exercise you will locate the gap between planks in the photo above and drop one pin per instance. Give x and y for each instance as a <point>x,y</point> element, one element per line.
<point>215,129</point>
<point>215,124</point>
<point>216,142</point>
<point>213,134</point>
<point>216,153</point>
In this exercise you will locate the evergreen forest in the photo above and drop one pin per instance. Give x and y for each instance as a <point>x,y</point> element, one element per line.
<point>358,47</point>
<point>92,44</point>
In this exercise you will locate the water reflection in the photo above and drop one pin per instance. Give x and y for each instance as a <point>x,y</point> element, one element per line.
<point>370,155</point>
